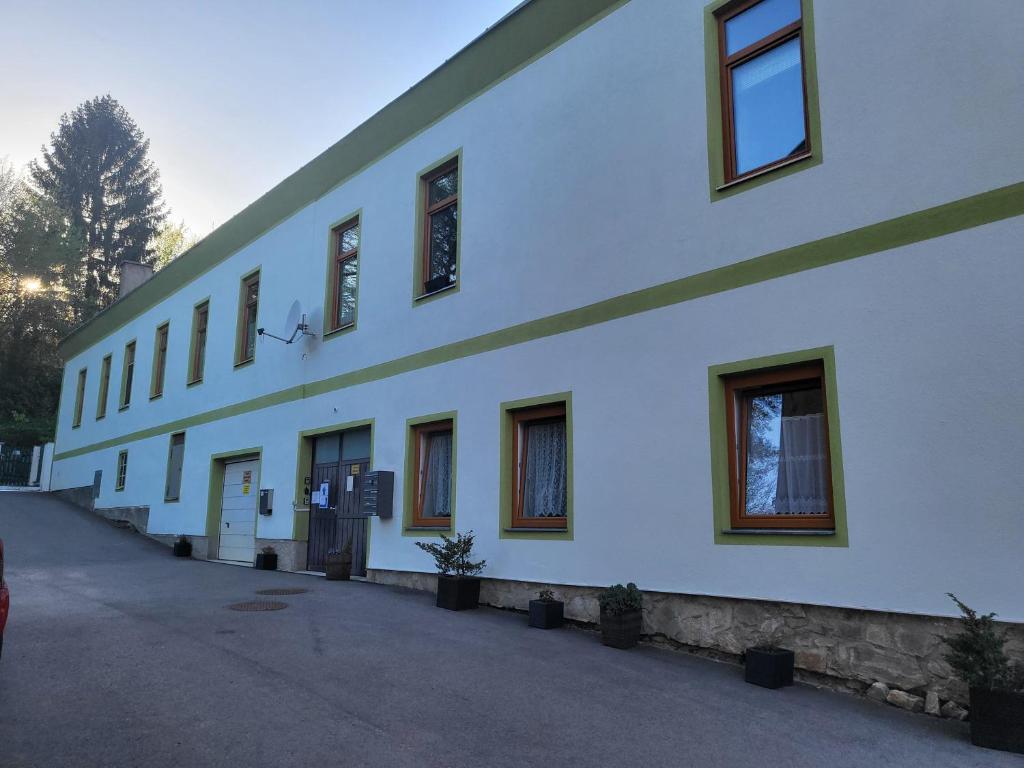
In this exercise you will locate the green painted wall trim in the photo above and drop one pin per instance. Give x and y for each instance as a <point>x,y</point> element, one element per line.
<point>411,474</point>
<point>975,211</point>
<point>505,470</point>
<point>716,143</point>
<point>213,499</point>
<point>303,464</point>
<point>513,43</point>
<point>418,297</point>
<point>720,451</point>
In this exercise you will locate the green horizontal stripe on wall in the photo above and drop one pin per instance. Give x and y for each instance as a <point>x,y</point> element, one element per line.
<point>514,42</point>
<point>985,208</point>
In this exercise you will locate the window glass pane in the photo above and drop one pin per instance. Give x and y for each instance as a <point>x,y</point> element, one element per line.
<point>174,466</point>
<point>347,292</point>
<point>787,454</point>
<point>768,107</point>
<point>443,235</point>
<point>349,239</point>
<point>355,444</point>
<point>327,449</point>
<point>758,22</point>
<point>444,186</point>
<point>250,332</point>
<point>437,466</point>
<point>544,482</point>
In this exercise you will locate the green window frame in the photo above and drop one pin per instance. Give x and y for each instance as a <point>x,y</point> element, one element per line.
<point>197,342</point>
<point>416,430</point>
<point>161,340</point>
<point>722,183</point>
<point>248,318</point>
<point>719,377</point>
<point>79,399</point>
<point>121,473</point>
<point>507,477</point>
<point>101,400</point>
<point>127,376</point>
<point>175,466</point>
<point>422,291</point>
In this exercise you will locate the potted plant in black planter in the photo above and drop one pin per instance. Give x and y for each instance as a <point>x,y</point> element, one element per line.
<point>621,615</point>
<point>266,559</point>
<point>182,547</point>
<point>996,685</point>
<point>545,611</point>
<point>338,563</point>
<point>458,586</point>
<point>768,665</point>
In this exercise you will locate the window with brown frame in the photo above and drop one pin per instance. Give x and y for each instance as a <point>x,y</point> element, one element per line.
<point>432,457</point>
<point>764,94</point>
<point>539,471</point>
<point>345,274</point>
<point>101,402</point>
<point>247,319</point>
<point>122,471</point>
<point>79,399</point>
<point>440,227</point>
<point>198,360</point>
<point>127,374</point>
<point>159,361</point>
<point>779,462</point>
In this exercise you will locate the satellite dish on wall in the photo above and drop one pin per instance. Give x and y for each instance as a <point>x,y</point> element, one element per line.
<point>295,325</point>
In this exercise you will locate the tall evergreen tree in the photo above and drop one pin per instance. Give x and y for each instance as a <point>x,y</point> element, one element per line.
<point>97,169</point>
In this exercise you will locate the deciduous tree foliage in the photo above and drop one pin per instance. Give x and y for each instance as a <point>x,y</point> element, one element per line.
<point>97,169</point>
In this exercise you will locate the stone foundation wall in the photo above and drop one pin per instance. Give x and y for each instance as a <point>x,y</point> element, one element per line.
<point>291,555</point>
<point>200,544</point>
<point>854,648</point>
<point>80,497</point>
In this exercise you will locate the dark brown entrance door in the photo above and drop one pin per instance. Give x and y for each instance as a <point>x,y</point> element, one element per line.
<point>340,460</point>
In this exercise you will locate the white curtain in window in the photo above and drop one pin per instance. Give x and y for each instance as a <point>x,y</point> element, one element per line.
<point>802,487</point>
<point>438,466</point>
<point>544,487</point>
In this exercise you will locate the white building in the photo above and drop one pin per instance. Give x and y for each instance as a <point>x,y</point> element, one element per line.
<point>758,352</point>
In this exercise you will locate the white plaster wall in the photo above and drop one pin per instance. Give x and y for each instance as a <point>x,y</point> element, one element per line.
<point>928,342</point>
<point>585,176</point>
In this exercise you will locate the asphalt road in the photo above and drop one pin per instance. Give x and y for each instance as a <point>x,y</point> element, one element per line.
<point>118,654</point>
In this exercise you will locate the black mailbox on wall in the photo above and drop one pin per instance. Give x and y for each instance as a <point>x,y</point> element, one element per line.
<point>378,494</point>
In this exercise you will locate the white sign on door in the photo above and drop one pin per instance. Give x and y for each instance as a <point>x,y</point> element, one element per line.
<point>325,493</point>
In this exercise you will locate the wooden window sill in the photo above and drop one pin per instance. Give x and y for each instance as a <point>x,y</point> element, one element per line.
<point>768,169</point>
<point>340,328</point>
<point>243,363</point>
<point>781,531</point>
<point>536,530</point>
<point>414,528</point>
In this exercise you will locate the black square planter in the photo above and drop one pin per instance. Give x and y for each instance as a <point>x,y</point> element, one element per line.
<point>621,630</point>
<point>546,614</point>
<point>769,667</point>
<point>458,593</point>
<point>266,561</point>
<point>183,549</point>
<point>997,719</point>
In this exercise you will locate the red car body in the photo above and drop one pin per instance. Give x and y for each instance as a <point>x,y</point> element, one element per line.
<point>5,598</point>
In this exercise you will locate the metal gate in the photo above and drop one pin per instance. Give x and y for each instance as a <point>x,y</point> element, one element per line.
<point>334,523</point>
<point>15,467</point>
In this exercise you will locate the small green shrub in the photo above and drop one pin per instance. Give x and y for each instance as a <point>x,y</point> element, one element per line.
<point>620,599</point>
<point>976,654</point>
<point>452,556</point>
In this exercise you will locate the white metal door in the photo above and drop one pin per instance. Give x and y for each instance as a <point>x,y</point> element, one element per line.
<point>238,511</point>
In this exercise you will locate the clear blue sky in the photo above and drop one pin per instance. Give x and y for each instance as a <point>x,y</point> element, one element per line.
<point>234,95</point>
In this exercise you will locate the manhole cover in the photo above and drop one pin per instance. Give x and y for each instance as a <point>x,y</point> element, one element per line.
<point>258,605</point>
<point>282,591</point>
